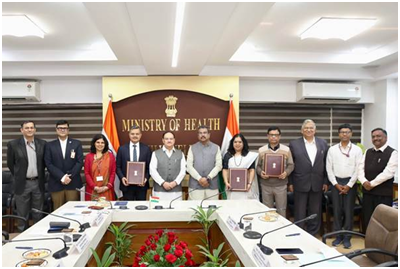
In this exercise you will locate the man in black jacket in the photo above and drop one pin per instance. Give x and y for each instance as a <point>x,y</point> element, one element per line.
<point>134,151</point>
<point>25,159</point>
<point>308,179</point>
<point>64,161</point>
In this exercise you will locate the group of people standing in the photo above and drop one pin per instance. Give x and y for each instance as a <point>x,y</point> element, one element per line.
<point>310,166</point>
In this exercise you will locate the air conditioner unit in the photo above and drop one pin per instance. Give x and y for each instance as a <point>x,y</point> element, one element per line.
<point>319,92</point>
<point>21,90</point>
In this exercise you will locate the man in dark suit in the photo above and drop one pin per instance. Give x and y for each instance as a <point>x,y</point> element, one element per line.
<point>134,151</point>
<point>25,159</point>
<point>64,161</point>
<point>309,178</point>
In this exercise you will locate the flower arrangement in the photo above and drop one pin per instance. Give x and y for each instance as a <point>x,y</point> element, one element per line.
<point>163,250</point>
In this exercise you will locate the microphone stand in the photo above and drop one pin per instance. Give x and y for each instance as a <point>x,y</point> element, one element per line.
<point>95,195</point>
<point>211,206</point>
<point>82,227</point>
<point>268,251</point>
<point>178,198</point>
<point>57,255</point>
<point>251,234</point>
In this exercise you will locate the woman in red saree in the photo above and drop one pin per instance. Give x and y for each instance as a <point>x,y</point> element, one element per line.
<point>100,170</point>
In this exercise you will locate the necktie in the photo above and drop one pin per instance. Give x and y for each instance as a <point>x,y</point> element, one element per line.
<point>134,153</point>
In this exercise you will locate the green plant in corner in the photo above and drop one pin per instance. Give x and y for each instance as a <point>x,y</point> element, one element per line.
<point>204,218</point>
<point>122,243</point>
<point>107,258</point>
<point>214,257</point>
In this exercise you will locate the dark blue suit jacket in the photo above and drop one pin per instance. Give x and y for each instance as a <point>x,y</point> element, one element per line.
<point>58,166</point>
<point>123,157</point>
<point>305,176</point>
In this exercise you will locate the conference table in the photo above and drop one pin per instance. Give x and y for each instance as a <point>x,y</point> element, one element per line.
<point>227,215</point>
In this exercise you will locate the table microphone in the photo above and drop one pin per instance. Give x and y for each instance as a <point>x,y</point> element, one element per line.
<point>95,195</point>
<point>82,227</point>
<point>57,255</point>
<point>180,197</point>
<point>251,234</point>
<point>268,251</point>
<point>355,252</point>
<point>212,206</point>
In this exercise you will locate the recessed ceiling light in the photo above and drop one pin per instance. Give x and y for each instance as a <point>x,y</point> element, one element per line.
<point>180,12</point>
<point>342,28</point>
<point>20,25</point>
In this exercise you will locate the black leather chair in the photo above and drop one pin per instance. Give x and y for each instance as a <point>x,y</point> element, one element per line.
<point>9,233</point>
<point>48,202</point>
<point>7,195</point>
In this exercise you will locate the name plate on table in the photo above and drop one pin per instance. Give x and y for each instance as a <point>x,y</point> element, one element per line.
<point>82,243</point>
<point>99,218</point>
<point>135,173</point>
<point>261,258</point>
<point>274,164</point>
<point>232,224</point>
<point>238,179</point>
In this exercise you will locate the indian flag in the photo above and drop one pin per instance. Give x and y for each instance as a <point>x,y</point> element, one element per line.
<point>232,128</point>
<point>110,132</point>
<point>154,199</point>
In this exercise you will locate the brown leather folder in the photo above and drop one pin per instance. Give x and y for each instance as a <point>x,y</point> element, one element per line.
<point>135,173</point>
<point>238,179</point>
<point>274,164</point>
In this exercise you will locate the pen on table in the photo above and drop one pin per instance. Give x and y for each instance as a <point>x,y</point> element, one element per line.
<point>293,234</point>
<point>24,247</point>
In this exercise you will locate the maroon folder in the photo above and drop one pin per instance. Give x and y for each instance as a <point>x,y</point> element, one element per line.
<point>135,173</point>
<point>274,164</point>
<point>238,179</point>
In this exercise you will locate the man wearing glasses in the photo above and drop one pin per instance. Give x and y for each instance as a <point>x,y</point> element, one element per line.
<point>308,180</point>
<point>274,189</point>
<point>64,161</point>
<point>341,166</point>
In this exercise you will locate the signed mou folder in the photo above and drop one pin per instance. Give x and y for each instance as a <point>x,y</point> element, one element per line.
<point>238,179</point>
<point>274,164</point>
<point>135,173</point>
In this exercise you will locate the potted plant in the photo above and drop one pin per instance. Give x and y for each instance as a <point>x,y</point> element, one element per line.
<point>215,257</point>
<point>122,243</point>
<point>204,218</point>
<point>107,258</point>
<point>163,250</point>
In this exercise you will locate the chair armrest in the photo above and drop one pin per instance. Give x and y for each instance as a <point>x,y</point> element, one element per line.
<point>371,250</point>
<point>17,217</point>
<point>342,232</point>
<point>388,264</point>
<point>6,235</point>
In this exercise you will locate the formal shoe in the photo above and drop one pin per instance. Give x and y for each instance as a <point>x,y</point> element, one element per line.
<point>337,241</point>
<point>346,243</point>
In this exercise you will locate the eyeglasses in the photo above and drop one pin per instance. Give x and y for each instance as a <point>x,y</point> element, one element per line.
<point>345,132</point>
<point>309,128</point>
<point>273,135</point>
<point>62,128</point>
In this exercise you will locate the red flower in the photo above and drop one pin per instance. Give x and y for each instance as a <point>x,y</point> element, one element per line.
<point>171,240</point>
<point>189,263</point>
<point>188,254</point>
<point>150,237</point>
<point>159,232</point>
<point>178,253</point>
<point>156,238</point>
<point>183,244</point>
<point>147,242</point>
<point>153,246</point>
<point>143,265</point>
<point>156,258</point>
<point>167,247</point>
<point>171,234</point>
<point>171,258</point>
<point>179,248</point>
<point>135,264</point>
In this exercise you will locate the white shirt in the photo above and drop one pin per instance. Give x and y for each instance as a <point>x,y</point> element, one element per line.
<point>154,163</point>
<point>387,173</point>
<point>131,151</point>
<point>340,165</point>
<point>311,149</point>
<point>63,146</point>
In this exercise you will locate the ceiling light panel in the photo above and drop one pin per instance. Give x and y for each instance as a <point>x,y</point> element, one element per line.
<point>20,26</point>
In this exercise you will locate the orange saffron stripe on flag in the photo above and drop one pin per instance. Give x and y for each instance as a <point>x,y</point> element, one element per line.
<point>232,124</point>
<point>110,127</point>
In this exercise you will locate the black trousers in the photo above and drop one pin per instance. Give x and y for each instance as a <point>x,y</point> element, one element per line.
<point>135,193</point>
<point>343,206</point>
<point>370,202</point>
<point>306,204</point>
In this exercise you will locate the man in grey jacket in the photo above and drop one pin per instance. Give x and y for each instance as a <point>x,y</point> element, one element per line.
<point>204,162</point>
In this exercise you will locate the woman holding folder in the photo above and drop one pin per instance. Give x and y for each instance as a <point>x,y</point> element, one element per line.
<point>100,170</point>
<point>239,163</point>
